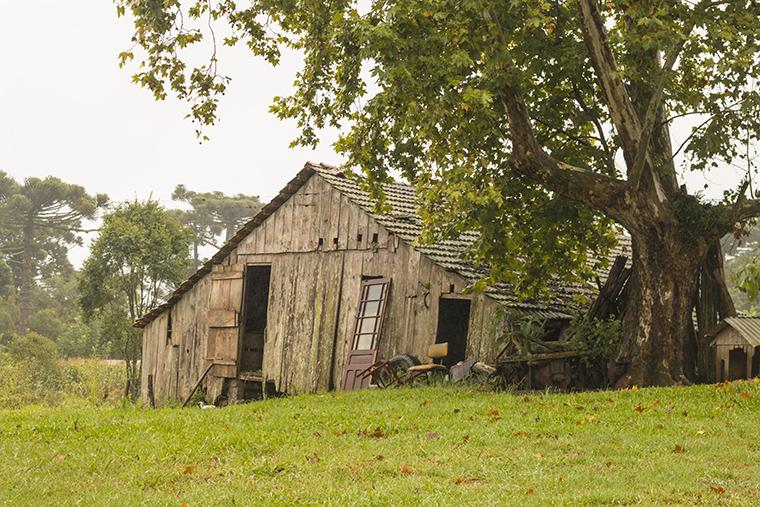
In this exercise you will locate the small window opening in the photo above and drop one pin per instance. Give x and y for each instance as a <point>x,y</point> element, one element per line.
<point>375,238</point>
<point>451,288</point>
<point>335,241</point>
<point>359,237</point>
<point>169,329</point>
<point>321,241</point>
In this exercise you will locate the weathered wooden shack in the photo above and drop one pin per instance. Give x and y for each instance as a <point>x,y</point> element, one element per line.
<point>737,348</point>
<point>316,287</point>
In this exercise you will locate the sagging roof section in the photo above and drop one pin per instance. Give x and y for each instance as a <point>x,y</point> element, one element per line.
<point>404,222</point>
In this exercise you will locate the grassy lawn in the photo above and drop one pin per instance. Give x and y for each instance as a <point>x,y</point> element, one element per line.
<point>426,446</point>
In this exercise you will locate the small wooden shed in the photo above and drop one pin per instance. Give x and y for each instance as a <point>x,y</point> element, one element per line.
<point>315,288</point>
<point>737,348</point>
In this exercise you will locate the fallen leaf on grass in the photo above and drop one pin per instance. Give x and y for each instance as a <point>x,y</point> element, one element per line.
<point>456,410</point>
<point>678,449</point>
<point>432,435</point>
<point>312,459</point>
<point>635,388</point>
<point>424,402</point>
<point>376,433</point>
<point>493,412</point>
<point>701,432</point>
<point>718,489</point>
<point>746,395</point>
<point>466,437</point>
<point>405,470</point>
<point>189,469</point>
<point>639,408</point>
<point>379,457</point>
<point>529,491</point>
<point>339,433</point>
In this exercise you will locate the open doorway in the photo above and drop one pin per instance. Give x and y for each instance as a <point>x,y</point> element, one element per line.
<point>737,364</point>
<point>255,308</point>
<point>453,326</point>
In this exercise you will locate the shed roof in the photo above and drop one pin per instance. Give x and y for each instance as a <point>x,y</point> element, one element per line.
<point>747,327</point>
<point>404,222</point>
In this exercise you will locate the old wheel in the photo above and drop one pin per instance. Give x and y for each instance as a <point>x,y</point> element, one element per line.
<point>397,368</point>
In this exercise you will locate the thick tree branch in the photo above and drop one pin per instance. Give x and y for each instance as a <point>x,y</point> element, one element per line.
<point>747,209</point>
<point>598,191</point>
<point>656,102</point>
<point>622,110</point>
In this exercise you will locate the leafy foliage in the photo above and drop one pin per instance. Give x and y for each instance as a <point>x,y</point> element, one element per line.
<point>140,255</point>
<point>596,341</point>
<point>418,87</point>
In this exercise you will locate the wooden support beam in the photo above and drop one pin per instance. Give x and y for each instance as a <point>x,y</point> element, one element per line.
<point>197,385</point>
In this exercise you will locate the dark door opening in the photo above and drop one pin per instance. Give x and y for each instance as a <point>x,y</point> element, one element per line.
<point>737,364</point>
<point>453,326</point>
<point>255,307</point>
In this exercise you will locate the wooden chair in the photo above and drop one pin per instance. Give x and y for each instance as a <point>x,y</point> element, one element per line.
<point>435,351</point>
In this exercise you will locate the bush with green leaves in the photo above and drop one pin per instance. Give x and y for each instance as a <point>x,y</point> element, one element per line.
<point>33,373</point>
<point>596,342</point>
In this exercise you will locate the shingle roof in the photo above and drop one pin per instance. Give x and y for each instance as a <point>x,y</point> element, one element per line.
<point>404,222</point>
<point>748,328</point>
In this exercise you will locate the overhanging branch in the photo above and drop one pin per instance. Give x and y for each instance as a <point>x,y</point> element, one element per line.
<point>598,191</point>
<point>622,110</point>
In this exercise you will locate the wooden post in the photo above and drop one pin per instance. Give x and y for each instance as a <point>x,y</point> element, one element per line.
<point>750,354</point>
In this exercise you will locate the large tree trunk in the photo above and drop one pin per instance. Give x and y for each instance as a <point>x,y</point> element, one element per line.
<point>658,330</point>
<point>27,279</point>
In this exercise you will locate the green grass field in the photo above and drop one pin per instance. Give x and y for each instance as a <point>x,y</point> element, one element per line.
<point>425,446</point>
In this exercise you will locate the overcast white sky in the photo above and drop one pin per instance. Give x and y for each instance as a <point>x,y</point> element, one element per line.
<point>66,109</point>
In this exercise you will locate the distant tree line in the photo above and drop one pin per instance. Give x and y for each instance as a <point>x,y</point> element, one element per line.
<point>142,251</point>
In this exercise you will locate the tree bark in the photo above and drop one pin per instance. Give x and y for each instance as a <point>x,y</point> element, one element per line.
<point>657,345</point>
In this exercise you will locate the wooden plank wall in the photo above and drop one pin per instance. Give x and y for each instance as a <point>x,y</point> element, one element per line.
<point>312,243</point>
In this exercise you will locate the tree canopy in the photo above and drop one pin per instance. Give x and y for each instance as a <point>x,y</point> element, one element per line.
<point>40,219</point>
<point>213,213</point>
